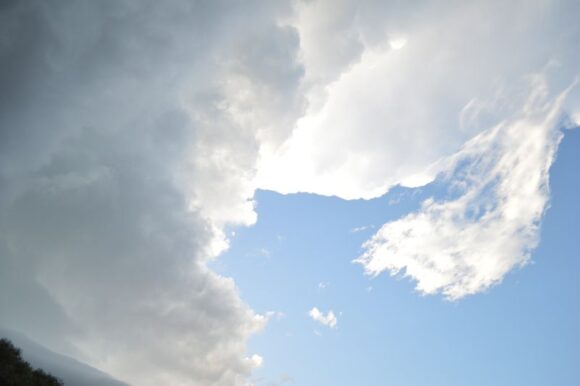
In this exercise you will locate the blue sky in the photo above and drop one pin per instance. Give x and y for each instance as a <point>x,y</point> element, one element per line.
<point>523,331</point>
<point>308,192</point>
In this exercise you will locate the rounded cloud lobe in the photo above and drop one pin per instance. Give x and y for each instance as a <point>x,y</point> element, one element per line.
<point>329,319</point>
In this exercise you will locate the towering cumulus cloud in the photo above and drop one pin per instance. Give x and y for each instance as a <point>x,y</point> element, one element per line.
<point>129,133</point>
<point>132,133</point>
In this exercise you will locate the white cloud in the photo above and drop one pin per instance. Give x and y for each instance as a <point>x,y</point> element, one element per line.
<point>328,319</point>
<point>257,361</point>
<point>378,117</point>
<point>131,135</point>
<point>499,180</point>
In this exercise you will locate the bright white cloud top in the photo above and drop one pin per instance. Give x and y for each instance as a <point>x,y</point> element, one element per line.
<point>378,117</point>
<point>326,319</point>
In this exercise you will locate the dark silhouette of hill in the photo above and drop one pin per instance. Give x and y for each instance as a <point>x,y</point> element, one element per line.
<point>14,371</point>
<point>70,371</point>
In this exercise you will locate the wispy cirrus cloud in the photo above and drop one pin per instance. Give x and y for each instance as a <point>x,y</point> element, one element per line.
<point>499,184</point>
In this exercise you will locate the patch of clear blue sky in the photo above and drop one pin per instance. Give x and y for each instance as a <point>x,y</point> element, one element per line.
<point>525,331</point>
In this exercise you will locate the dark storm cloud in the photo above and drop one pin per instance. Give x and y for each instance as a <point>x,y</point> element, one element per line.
<point>126,142</point>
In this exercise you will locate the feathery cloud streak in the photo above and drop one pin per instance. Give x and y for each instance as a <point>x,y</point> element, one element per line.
<point>463,245</point>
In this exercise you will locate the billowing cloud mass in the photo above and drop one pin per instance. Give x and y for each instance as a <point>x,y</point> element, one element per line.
<point>129,137</point>
<point>328,319</point>
<point>133,133</point>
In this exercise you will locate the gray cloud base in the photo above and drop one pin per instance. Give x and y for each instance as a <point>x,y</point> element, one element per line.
<point>122,156</point>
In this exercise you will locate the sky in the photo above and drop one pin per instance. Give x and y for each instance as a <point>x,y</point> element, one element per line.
<point>300,192</point>
<point>523,331</point>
